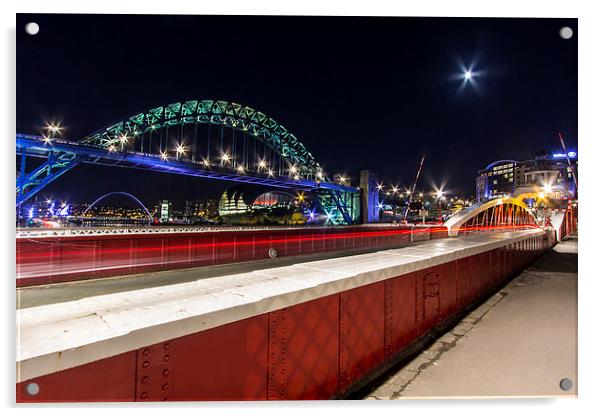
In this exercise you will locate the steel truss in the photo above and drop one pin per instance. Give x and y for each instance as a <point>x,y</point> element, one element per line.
<point>210,112</point>
<point>341,202</point>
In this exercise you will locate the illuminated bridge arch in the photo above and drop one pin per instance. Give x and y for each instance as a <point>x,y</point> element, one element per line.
<point>148,132</point>
<point>500,213</point>
<point>150,217</point>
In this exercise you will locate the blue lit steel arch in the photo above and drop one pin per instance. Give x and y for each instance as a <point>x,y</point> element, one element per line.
<point>150,217</point>
<point>212,112</point>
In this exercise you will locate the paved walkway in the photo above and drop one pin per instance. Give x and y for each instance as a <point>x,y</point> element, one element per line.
<point>519,343</point>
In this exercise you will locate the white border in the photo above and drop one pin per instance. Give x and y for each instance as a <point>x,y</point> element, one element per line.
<point>590,91</point>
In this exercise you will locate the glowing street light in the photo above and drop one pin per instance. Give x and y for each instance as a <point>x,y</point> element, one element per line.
<point>439,193</point>
<point>240,169</point>
<point>123,138</point>
<point>293,169</point>
<point>262,164</point>
<point>53,129</point>
<point>547,188</point>
<point>380,186</point>
<point>225,157</point>
<point>381,206</point>
<point>163,155</point>
<point>468,75</point>
<point>270,173</point>
<point>206,163</point>
<point>47,139</point>
<point>394,189</point>
<point>180,149</point>
<point>111,148</point>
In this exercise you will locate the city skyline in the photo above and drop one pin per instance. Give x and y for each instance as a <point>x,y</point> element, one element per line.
<point>360,67</point>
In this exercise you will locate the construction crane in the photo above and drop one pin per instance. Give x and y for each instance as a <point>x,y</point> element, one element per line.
<point>413,188</point>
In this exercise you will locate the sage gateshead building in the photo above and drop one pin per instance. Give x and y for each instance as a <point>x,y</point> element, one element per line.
<point>553,175</point>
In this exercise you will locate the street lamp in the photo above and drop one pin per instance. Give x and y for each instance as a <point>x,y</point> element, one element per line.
<point>468,75</point>
<point>53,129</point>
<point>225,157</point>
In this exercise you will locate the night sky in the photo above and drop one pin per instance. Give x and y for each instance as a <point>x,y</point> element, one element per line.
<point>360,93</point>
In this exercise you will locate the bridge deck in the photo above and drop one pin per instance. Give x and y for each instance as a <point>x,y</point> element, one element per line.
<point>65,335</point>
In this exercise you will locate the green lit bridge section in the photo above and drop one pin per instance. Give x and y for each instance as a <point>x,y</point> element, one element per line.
<point>247,120</point>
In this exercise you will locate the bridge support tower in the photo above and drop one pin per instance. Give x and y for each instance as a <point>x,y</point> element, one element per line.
<point>369,188</point>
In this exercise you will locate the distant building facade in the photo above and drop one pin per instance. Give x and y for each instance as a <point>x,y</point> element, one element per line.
<point>164,211</point>
<point>204,208</point>
<point>546,172</point>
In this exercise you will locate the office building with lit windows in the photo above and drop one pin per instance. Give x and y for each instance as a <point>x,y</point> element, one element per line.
<point>553,174</point>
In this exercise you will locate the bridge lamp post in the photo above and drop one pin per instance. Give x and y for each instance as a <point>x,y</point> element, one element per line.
<point>164,155</point>
<point>206,163</point>
<point>225,158</point>
<point>240,169</point>
<point>293,170</point>
<point>53,129</point>
<point>261,164</point>
<point>180,150</point>
<point>123,139</point>
<point>270,173</point>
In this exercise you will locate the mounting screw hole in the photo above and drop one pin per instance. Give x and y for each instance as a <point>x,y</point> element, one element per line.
<point>32,28</point>
<point>33,389</point>
<point>566,384</point>
<point>566,32</point>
